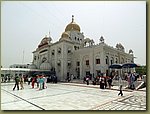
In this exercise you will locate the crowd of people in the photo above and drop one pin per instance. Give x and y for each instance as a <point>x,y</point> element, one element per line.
<point>5,78</point>
<point>107,81</point>
<point>40,81</point>
<point>103,81</point>
<point>131,78</point>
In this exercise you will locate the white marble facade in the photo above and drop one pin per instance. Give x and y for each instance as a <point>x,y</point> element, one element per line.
<point>74,54</point>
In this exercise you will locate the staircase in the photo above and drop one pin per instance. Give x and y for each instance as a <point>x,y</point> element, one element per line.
<point>138,84</point>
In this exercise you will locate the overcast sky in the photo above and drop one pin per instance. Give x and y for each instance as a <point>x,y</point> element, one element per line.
<point>24,24</point>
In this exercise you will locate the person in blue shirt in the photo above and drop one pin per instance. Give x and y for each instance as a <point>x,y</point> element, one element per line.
<point>41,81</point>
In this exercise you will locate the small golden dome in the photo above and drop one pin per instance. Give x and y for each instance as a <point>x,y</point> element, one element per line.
<point>72,26</point>
<point>64,35</point>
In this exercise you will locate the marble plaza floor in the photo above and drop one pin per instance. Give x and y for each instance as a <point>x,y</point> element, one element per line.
<point>70,96</point>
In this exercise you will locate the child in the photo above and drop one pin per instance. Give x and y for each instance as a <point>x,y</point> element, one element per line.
<point>120,89</point>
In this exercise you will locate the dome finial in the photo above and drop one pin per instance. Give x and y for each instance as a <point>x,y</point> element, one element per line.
<point>72,26</point>
<point>72,18</point>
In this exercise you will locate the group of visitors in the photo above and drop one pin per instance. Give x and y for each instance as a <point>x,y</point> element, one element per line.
<point>19,80</point>
<point>5,78</point>
<point>131,78</point>
<point>103,81</point>
<point>38,80</point>
<point>106,81</point>
<point>52,78</point>
<point>70,78</point>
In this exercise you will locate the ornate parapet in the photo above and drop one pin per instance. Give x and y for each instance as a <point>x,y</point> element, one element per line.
<point>120,47</point>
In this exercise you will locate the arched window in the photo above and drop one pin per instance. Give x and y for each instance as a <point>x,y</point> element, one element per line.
<point>34,57</point>
<point>69,50</point>
<point>87,44</point>
<point>59,50</point>
<point>87,62</point>
<point>107,60</point>
<point>112,60</point>
<point>58,62</point>
<point>97,61</point>
<point>75,38</point>
<point>78,63</point>
<point>44,59</point>
<point>75,47</point>
<point>116,60</point>
<point>53,52</point>
<point>69,63</point>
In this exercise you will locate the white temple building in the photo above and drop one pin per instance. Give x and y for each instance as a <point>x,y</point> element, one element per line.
<point>74,54</point>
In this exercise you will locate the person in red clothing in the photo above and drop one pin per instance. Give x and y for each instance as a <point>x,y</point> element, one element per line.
<point>33,82</point>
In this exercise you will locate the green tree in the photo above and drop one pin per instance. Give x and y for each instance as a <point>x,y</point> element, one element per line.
<point>141,70</point>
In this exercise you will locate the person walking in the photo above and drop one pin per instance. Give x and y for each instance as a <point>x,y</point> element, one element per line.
<point>45,82</point>
<point>129,80</point>
<point>120,91</point>
<point>16,83</point>
<point>109,82</point>
<point>33,82</point>
<point>21,82</point>
<point>37,81</point>
<point>87,80</point>
<point>102,83</point>
<point>29,80</point>
<point>105,82</point>
<point>9,79</point>
<point>132,78</point>
<point>55,79</point>
<point>41,81</point>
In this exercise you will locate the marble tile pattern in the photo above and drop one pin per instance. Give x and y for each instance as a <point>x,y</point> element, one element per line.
<point>70,96</point>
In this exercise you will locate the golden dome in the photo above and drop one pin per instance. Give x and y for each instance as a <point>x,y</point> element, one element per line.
<point>64,35</point>
<point>72,26</point>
